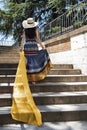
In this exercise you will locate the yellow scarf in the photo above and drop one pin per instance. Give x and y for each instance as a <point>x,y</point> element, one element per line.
<point>23,106</point>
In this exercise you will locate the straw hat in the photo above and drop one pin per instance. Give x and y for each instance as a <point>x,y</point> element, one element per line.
<point>29,23</point>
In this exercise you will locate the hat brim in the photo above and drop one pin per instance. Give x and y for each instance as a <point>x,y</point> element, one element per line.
<point>26,25</point>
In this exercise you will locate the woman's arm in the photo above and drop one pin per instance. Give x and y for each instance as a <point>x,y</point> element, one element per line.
<point>38,39</point>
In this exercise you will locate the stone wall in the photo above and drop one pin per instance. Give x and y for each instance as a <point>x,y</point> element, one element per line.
<point>79,52</point>
<point>70,48</point>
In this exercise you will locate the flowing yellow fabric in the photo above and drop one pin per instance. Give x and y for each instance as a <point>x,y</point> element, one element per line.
<point>23,106</point>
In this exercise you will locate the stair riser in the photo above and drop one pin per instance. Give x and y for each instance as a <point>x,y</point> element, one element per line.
<point>64,72</point>
<point>11,65</point>
<point>9,61</point>
<point>60,100</point>
<point>52,72</point>
<point>50,100</point>
<point>9,54</point>
<point>65,79</point>
<point>7,79</point>
<point>6,89</point>
<point>5,102</point>
<point>44,88</point>
<point>49,79</point>
<point>63,66</point>
<point>64,116</point>
<point>7,72</point>
<point>59,88</point>
<point>8,65</point>
<point>50,117</point>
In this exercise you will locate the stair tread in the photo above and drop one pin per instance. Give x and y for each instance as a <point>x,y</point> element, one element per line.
<point>73,125</point>
<point>48,94</point>
<point>58,102</point>
<point>49,83</point>
<point>67,75</point>
<point>49,76</point>
<point>7,68</point>
<point>61,83</point>
<point>64,107</point>
<point>52,108</point>
<point>64,69</point>
<point>60,94</point>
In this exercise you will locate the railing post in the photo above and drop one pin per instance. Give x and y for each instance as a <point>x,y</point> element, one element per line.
<point>50,29</point>
<point>61,24</point>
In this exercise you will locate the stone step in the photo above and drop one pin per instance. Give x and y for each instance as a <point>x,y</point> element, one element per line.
<point>63,66</point>
<point>65,78</point>
<point>12,49</point>
<point>14,57</point>
<point>12,71</point>
<point>61,96</point>
<point>9,48</point>
<point>11,55</point>
<point>7,79</point>
<point>49,78</point>
<point>9,51</point>
<point>9,60</point>
<point>48,98</point>
<point>65,71</point>
<point>8,71</point>
<point>8,65</point>
<point>48,87</point>
<point>57,66</point>
<point>66,112</point>
<point>68,125</point>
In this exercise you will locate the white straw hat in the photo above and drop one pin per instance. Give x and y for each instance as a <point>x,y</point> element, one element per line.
<point>29,23</point>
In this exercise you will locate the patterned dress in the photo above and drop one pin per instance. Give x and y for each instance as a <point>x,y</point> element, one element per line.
<point>38,61</point>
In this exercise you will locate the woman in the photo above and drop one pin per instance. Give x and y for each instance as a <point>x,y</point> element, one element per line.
<point>37,61</point>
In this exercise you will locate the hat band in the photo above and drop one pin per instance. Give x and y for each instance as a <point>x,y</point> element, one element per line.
<point>30,22</point>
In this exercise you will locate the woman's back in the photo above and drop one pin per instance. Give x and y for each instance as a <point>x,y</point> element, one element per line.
<point>30,33</point>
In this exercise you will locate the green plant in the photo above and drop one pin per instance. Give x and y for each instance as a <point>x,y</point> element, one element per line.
<point>78,23</point>
<point>56,29</point>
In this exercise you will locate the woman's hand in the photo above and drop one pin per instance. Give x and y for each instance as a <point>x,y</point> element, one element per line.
<point>21,49</point>
<point>43,47</point>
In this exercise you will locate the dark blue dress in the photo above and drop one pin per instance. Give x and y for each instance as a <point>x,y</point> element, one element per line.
<point>37,61</point>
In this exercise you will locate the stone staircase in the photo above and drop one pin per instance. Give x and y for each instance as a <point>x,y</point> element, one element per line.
<point>61,96</point>
<point>9,54</point>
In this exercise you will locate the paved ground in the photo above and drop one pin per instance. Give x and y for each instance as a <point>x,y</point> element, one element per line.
<point>49,126</point>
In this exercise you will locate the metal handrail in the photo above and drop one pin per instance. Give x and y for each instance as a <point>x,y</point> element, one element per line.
<point>72,19</point>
